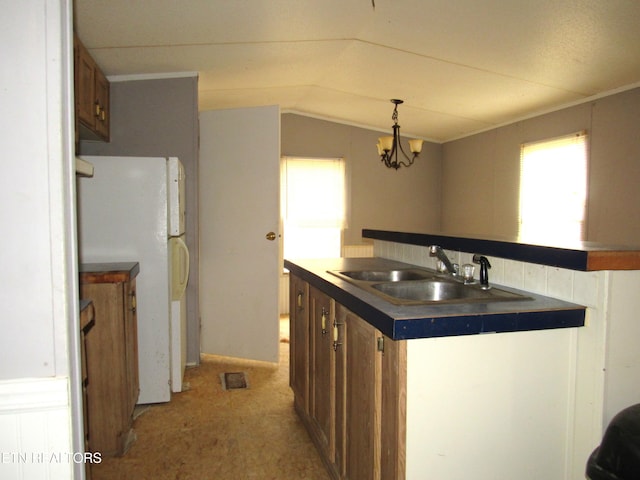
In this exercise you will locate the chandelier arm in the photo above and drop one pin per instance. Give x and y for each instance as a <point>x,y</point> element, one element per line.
<point>389,161</point>
<point>402,150</point>
<point>411,160</point>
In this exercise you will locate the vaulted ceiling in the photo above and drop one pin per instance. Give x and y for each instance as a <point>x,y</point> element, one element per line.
<point>461,66</point>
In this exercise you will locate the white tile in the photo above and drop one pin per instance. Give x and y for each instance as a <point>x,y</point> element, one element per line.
<point>535,278</point>
<point>514,274</point>
<point>465,257</point>
<point>560,283</point>
<point>414,254</point>
<point>496,273</point>
<point>424,259</point>
<point>453,255</point>
<point>586,290</point>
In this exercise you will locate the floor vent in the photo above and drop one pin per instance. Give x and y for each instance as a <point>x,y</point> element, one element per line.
<point>234,380</point>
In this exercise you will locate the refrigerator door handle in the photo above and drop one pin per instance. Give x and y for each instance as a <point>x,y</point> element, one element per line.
<point>180,275</point>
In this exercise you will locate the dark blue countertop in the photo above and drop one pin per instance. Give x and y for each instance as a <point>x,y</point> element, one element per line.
<point>581,256</point>
<point>402,322</point>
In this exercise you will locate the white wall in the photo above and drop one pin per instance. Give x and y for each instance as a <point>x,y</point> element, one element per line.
<point>39,320</point>
<point>491,406</point>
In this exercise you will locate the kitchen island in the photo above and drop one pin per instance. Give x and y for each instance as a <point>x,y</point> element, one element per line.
<point>402,322</point>
<point>458,403</point>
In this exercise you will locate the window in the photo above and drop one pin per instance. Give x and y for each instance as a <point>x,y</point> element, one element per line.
<point>553,189</point>
<point>313,206</point>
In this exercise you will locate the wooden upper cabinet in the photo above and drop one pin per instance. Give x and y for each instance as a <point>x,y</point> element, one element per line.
<point>101,105</point>
<point>92,97</point>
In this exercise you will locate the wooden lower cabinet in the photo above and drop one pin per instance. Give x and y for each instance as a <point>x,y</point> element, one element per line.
<point>374,400</point>
<point>362,397</point>
<point>322,373</point>
<point>356,391</point>
<point>299,341</point>
<point>87,322</point>
<point>112,355</point>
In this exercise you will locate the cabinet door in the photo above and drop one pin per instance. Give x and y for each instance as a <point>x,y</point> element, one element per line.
<point>340,342</point>
<point>92,95</point>
<point>102,111</point>
<point>131,346</point>
<point>299,344</point>
<point>362,400</point>
<point>108,416</point>
<point>322,371</point>
<point>85,69</point>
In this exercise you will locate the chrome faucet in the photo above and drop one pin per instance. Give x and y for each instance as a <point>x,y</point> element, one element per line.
<point>435,250</point>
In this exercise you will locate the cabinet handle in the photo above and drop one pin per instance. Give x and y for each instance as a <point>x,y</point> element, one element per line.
<point>103,115</point>
<point>98,108</point>
<point>300,297</point>
<point>324,321</point>
<point>134,302</point>
<point>336,334</point>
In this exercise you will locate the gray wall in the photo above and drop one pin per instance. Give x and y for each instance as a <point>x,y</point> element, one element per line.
<point>380,198</point>
<point>480,174</point>
<point>159,117</point>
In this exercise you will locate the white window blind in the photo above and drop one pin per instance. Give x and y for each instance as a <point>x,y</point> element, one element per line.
<point>553,189</point>
<point>313,206</point>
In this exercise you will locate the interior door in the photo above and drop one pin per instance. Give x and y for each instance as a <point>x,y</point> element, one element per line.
<point>239,197</point>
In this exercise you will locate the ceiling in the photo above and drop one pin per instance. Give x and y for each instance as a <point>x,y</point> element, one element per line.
<point>460,66</point>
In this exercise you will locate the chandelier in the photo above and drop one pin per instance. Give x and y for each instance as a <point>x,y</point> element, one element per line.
<point>388,147</point>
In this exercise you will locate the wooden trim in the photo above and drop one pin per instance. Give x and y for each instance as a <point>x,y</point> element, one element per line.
<point>613,260</point>
<point>394,410</point>
<point>108,272</point>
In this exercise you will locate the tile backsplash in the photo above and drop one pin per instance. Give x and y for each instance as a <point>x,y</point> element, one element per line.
<point>570,285</point>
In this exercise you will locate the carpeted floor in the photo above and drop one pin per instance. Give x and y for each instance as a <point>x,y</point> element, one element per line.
<point>207,432</point>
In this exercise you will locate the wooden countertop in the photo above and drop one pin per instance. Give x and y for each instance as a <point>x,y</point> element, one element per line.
<point>582,256</point>
<point>111,272</point>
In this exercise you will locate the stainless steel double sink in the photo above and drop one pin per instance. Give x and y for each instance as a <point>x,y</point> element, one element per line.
<point>418,286</point>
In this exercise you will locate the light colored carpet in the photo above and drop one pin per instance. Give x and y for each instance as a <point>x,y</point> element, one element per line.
<point>210,433</point>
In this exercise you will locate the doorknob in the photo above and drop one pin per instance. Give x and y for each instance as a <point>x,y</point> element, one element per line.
<point>270,236</point>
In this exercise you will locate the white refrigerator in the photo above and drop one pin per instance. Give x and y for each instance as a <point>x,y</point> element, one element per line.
<point>133,209</point>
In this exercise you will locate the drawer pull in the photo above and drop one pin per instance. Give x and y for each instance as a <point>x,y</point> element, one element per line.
<point>336,334</point>
<point>300,300</point>
<point>134,302</point>
<point>323,319</point>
